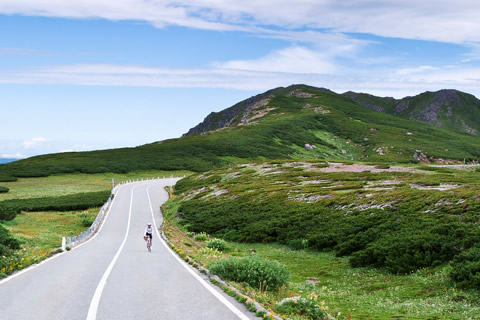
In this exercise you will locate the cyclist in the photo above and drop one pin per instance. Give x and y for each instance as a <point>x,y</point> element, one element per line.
<point>149,233</point>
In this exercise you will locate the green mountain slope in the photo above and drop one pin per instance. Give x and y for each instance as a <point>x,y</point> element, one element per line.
<point>450,109</point>
<point>275,125</point>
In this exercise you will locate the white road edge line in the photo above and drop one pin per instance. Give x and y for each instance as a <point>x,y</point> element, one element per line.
<point>215,293</point>
<point>34,266</point>
<point>92,310</point>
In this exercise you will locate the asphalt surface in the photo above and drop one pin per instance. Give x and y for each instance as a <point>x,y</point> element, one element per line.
<point>113,276</point>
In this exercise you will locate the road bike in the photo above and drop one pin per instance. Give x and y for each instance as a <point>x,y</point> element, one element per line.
<point>149,243</point>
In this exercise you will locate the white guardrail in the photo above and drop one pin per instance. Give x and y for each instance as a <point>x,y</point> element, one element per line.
<point>70,242</point>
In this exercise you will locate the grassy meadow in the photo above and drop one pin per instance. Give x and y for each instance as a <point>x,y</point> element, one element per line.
<point>64,184</point>
<point>357,293</point>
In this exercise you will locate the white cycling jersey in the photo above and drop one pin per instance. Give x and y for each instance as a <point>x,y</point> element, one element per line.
<point>148,230</point>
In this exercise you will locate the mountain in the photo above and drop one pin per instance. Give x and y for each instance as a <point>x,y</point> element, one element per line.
<point>446,108</point>
<point>225,118</point>
<point>244,111</point>
<point>450,109</point>
<point>296,122</point>
<point>7,160</point>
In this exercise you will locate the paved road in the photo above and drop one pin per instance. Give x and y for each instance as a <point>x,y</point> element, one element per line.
<point>113,276</point>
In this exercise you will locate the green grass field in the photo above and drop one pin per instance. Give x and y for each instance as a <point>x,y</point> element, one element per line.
<point>57,185</point>
<point>44,230</point>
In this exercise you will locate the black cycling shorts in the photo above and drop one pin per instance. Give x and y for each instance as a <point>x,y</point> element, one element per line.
<point>149,235</point>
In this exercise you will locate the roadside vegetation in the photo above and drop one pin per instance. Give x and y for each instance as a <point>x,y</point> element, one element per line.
<point>80,201</point>
<point>375,241</point>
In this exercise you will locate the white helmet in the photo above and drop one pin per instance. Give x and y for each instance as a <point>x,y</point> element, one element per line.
<point>149,224</point>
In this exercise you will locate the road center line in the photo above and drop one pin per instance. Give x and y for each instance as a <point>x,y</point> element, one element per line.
<point>92,310</point>
<point>215,293</point>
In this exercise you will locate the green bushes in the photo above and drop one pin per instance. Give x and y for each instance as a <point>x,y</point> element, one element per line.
<point>400,241</point>
<point>86,220</point>
<point>255,271</point>
<point>8,213</point>
<point>79,201</point>
<point>3,189</point>
<point>218,244</point>
<point>7,243</point>
<point>298,244</point>
<point>400,229</point>
<point>7,178</point>
<point>201,236</point>
<point>305,307</point>
<point>409,249</point>
<point>466,268</point>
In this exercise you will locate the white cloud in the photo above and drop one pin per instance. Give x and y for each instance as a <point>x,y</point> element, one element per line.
<point>291,60</point>
<point>439,20</point>
<point>396,84</point>
<point>17,155</point>
<point>34,142</point>
<point>415,70</point>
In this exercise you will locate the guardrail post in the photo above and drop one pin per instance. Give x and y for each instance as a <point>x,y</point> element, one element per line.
<point>63,243</point>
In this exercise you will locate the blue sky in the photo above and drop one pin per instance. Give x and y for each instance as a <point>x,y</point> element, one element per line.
<point>86,75</point>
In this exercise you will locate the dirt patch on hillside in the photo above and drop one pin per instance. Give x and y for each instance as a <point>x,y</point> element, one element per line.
<point>441,187</point>
<point>299,94</point>
<point>255,114</point>
<point>317,109</point>
<point>341,167</point>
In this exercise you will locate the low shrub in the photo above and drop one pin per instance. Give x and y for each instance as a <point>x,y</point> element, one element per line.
<point>4,178</point>
<point>210,252</point>
<point>3,189</point>
<point>87,222</point>
<point>8,213</point>
<point>77,201</point>
<point>298,244</point>
<point>305,307</point>
<point>260,313</point>
<point>201,236</point>
<point>255,271</point>
<point>466,268</point>
<point>7,246</point>
<point>218,244</point>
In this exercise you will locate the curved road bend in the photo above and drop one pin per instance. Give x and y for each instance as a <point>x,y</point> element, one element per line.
<point>140,285</point>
